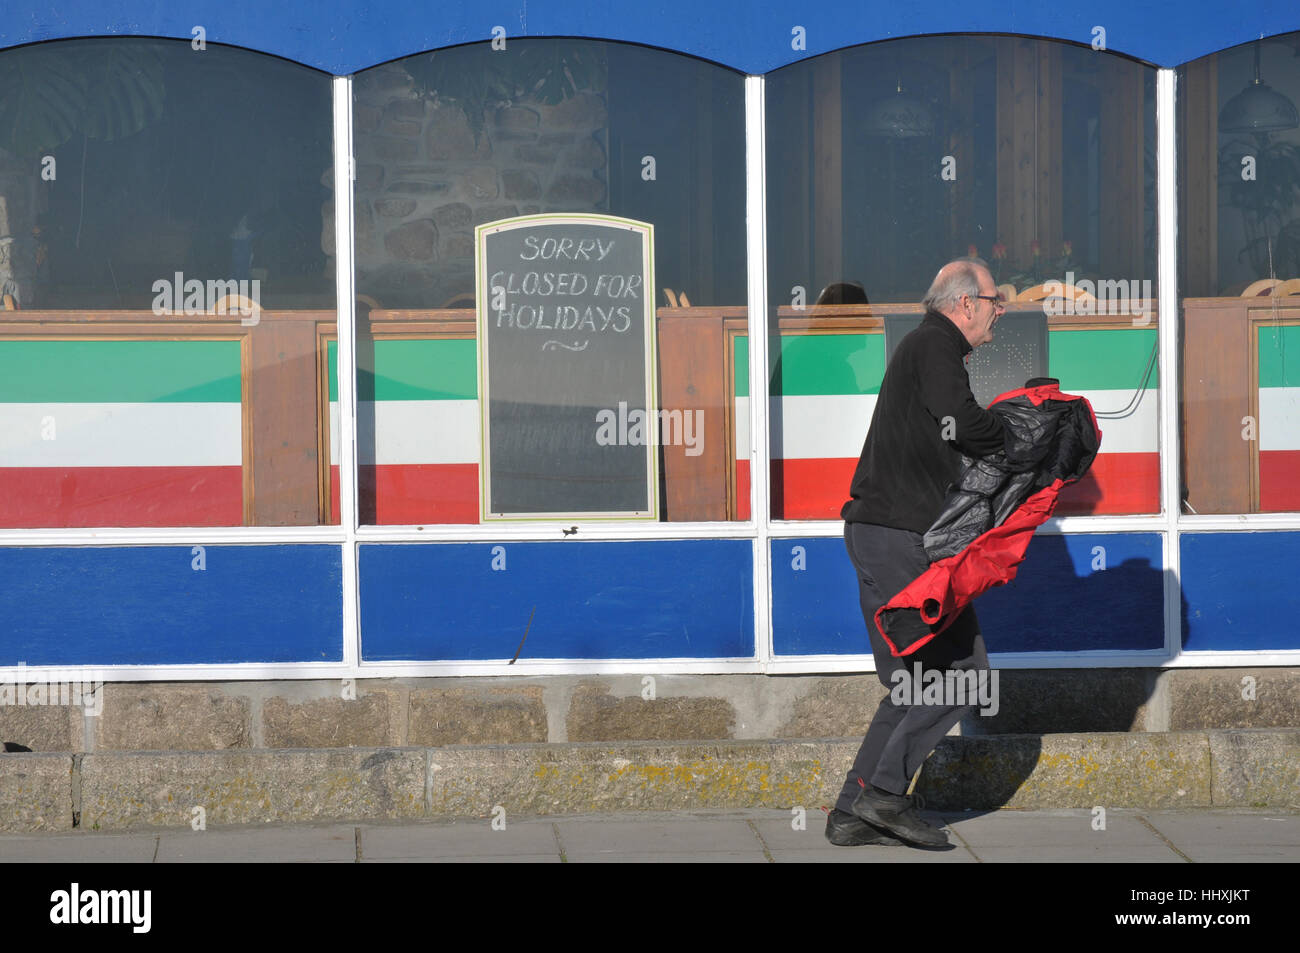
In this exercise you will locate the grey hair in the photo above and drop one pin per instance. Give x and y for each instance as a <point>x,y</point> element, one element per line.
<point>945,292</point>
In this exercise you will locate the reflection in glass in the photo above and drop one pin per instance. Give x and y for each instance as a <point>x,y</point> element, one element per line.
<point>164,284</point>
<point>450,140</point>
<point>897,157</point>
<point>1239,275</point>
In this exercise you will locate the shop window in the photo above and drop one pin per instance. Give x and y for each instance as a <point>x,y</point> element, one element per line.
<point>1239,206</point>
<point>165,291</point>
<point>888,160</point>
<point>449,141</point>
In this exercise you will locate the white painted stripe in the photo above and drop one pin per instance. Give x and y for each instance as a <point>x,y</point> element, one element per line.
<point>820,427</point>
<point>335,433</point>
<point>742,428</point>
<point>416,431</point>
<point>812,427</point>
<point>155,434</point>
<point>1279,418</point>
<point>834,427</point>
<point>393,432</point>
<point>1139,432</point>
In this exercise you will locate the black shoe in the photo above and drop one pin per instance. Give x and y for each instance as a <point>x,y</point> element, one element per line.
<point>845,830</point>
<point>898,815</point>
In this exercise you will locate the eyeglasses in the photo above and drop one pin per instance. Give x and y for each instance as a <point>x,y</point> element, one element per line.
<point>996,299</point>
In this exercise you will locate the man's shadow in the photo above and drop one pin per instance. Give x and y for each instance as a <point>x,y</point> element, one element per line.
<point>1099,592</point>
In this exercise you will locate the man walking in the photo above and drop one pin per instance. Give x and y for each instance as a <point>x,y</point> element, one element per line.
<point>926,417</point>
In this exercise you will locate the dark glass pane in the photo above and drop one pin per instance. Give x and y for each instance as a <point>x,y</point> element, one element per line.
<point>887,161</point>
<point>167,290</point>
<point>1239,277</point>
<point>452,140</point>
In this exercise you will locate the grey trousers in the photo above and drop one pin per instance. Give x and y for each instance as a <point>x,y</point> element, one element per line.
<point>902,736</point>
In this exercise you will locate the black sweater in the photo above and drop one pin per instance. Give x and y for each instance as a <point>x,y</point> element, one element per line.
<point>906,465</point>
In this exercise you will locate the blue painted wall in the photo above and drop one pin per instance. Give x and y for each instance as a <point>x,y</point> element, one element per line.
<point>144,605</point>
<point>755,36</point>
<point>147,605</point>
<point>660,599</point>
<point>1241,591</point>
<point>1056,603</point>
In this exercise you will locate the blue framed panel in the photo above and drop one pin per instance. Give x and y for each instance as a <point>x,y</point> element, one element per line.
<point>597,600</point>
<point>164,605</point>
<point>1058,602</point>
<point>1239,591</point>
<point>815,599</point>
<point>755,36</point>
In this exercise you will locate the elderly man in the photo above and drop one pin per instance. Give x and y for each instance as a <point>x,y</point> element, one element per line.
<point>926,417</point>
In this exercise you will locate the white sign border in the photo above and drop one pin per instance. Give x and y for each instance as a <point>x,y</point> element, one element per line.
<point>482,299</point>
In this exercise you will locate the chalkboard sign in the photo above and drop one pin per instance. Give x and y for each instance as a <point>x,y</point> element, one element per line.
<point>566,368</point>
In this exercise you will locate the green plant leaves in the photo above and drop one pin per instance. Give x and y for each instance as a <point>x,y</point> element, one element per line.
<point>553,72</point>
<point>126,90</point>
<point>1267,201</point>
<point>42,99</point>
<point>445,76</point>
<point>50,93</point>
<point>549,72</point>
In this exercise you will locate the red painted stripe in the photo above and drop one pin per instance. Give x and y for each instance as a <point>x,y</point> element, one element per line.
<point>801,489</point>
<point>50,497</point>
<point>418,493</point>
<point>742,489</point>
<point>1279,481</point>
<point>334,492</point>
<point>1118,483</point>
<point>811,489</point>
<point>818,488</point>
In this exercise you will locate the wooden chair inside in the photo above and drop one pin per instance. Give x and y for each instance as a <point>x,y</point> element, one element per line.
<point>236,304</point>
<point>463,300</point>
<point>1055,289</point>
<point>1260,289</point>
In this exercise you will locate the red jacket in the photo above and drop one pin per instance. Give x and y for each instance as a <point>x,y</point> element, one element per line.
<point>991,513</point>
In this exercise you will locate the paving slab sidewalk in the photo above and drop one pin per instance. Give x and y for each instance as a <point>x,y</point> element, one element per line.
<point>742,836</point>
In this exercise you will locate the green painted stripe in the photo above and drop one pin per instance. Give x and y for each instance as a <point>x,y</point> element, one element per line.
<point>90,372</point>
<point>741,358</point>
<point>1279,356</point>
<point>421,370</point>
<point>332,368</point>
<point>837,364</point>
<point>829,364</point>
<point>1101,359</point>
<point>820,364</point>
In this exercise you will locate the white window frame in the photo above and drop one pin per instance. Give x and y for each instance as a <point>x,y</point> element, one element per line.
<point>760,529</point>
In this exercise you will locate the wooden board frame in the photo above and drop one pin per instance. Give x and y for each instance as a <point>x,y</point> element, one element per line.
<point>148,326</point>
<point>649,394</point>
<point>1220,386</point>
<point>1257,318</point>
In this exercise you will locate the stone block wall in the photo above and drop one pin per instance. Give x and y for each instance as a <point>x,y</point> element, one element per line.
<point>437,712</point>
<point>424,180</point>
<point>17,218</point>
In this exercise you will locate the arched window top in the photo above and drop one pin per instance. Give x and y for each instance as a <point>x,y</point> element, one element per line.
<point>336,36</point>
